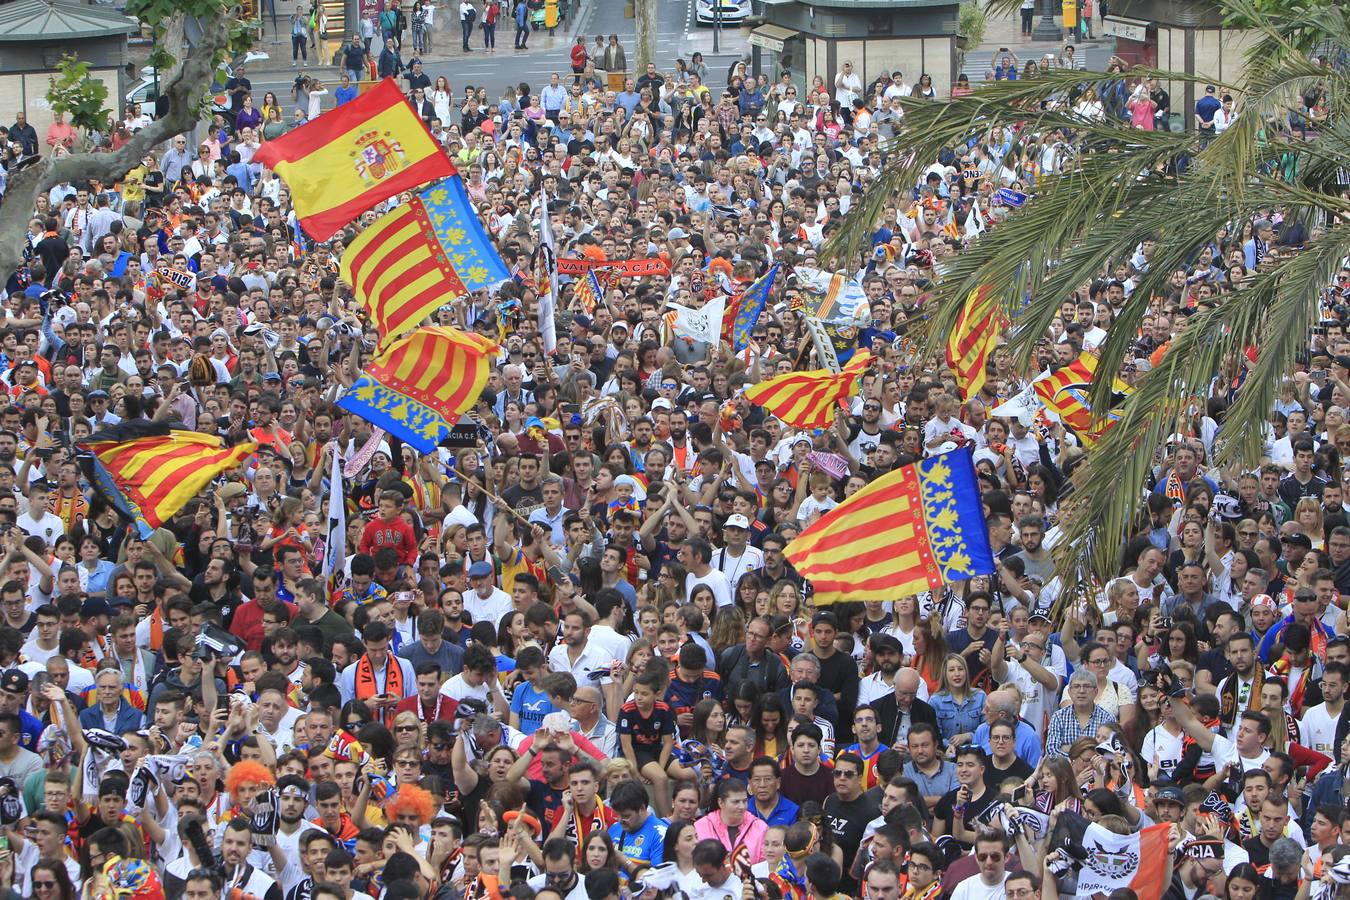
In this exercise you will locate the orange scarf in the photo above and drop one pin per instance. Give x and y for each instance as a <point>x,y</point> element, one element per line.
<point>367,687</point>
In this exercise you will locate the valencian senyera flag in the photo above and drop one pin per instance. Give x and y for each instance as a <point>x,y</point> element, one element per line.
<point>915,529</point>
<point>150,470</point>
<point>808,399</point>
<point>752,302</point>
<point>420,256</point>
<point>420,386</point>
<point>588,292</point>
<point>1066,393</point>
<point>973,339</point>
<point>353,157</point>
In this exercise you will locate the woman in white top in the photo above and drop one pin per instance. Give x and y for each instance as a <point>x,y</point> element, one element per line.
<point>440,96</point>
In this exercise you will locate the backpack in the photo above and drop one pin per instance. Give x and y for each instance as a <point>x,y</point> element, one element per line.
<point>473,14</point>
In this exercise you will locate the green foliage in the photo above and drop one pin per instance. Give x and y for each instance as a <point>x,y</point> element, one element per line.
<point>157,14</point>
<point>81,98</point>
<point>971,24</point>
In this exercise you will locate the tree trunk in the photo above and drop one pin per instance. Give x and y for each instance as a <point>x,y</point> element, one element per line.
<point>185,86</point>
<point>645,22</point>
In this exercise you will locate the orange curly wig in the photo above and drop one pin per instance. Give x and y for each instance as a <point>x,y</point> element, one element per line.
<point>413,799</point>
<point>248,772</point>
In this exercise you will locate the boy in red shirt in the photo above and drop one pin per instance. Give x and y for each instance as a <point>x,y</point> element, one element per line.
<point>389,529</point>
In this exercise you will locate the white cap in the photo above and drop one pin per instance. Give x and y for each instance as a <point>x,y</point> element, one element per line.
<point>737,520</point>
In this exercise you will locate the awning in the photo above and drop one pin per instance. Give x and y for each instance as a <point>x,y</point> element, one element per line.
<point>771,37</point>
<point>1121,27</point>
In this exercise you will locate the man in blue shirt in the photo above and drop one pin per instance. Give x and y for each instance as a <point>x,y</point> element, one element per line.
<point>1006,704</point>
<point>766,801</point>
<point>1205,108</point>
<point>638,835</point>
<point>552,98</point>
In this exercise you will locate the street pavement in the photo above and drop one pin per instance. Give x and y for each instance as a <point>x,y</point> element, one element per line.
<point>676,37</point>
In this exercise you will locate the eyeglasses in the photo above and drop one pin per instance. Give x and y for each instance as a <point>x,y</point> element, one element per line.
<point>43,885</point>
<point>406,728</point>
<point>989,857</point>
<point>845,773</point>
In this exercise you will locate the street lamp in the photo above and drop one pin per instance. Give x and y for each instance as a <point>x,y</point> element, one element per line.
<point>1046,29</point>
<point>717,23</point>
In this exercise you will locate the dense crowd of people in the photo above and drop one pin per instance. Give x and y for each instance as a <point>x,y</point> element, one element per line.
<point>572,660</point>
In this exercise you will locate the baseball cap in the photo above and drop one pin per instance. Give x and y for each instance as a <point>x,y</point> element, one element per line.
<point>737,521</point>
<point>115,602</point>
<point>1264,600</point>
<point>14,681</point>
<point>1169,793</point>
<point>677,233</point>
<point>232,490</point>
<point>885,643</point>
<point>481,569</point>
<point>95,606</point>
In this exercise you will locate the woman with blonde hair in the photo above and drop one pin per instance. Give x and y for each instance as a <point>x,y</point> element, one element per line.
<point>958,705</point>
<point>1308,516</point>
<point>930,649</point>
<point>407,731</point>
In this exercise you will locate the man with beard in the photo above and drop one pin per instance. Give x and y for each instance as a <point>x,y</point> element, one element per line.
<point>685,455</point>
<point>1241,690</point>
<point>285,862</point>
<point>560,871</point>
<point>886,656</point>
<point>235,846</point>
<point>864,436</point>
<point>218,586</point>
<point>976,641</point>
<point>752,661</point>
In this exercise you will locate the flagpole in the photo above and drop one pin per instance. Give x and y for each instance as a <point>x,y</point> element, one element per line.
<point>501,504</point>
<point>547,300</point>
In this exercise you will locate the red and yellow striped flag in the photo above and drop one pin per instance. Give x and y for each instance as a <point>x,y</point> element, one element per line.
<point>1065,392</point>
<point>912,530</point>
<point>420,256</point>
<point>973,338</point>
<point>808,399</point>
<point>422,383</point>
<point>150,471</point>
<point>353,157</point>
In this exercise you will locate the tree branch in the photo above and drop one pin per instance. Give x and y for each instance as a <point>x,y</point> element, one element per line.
<point>185,87</point>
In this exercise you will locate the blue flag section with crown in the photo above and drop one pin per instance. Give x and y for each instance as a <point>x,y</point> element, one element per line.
<point>753,301</point>
<point>458,230</point>
<point>953,516</point>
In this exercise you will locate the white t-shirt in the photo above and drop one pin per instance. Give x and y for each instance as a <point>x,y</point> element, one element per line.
<point>48,527</point>
<point>1318,730</point>
<point>734,567</point>
<point>458,689</point>
<point>1037,705</point>
<point>974,888</point>
<point>609,640</point>
<point>1225,752</point>
<point>1162,748</point>
<point>721,588</point>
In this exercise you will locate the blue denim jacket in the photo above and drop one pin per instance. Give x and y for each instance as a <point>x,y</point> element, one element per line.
<point>957,718</point>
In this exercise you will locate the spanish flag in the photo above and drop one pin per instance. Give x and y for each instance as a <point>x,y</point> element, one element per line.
<point>422,383</point>
<point>973,339</point>
<point>915,529</point>
<point>808,399</point>
<point>150,470</point>
<point>353,157</point>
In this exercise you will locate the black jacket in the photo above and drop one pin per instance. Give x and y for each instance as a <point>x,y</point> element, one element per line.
<point>888,716</point>
<point>736,666</point>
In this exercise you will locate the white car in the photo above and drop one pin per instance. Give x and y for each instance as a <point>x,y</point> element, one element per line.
<point>732,12</point>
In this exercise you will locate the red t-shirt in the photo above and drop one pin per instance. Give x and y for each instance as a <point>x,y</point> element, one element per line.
<point>397,534</point>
